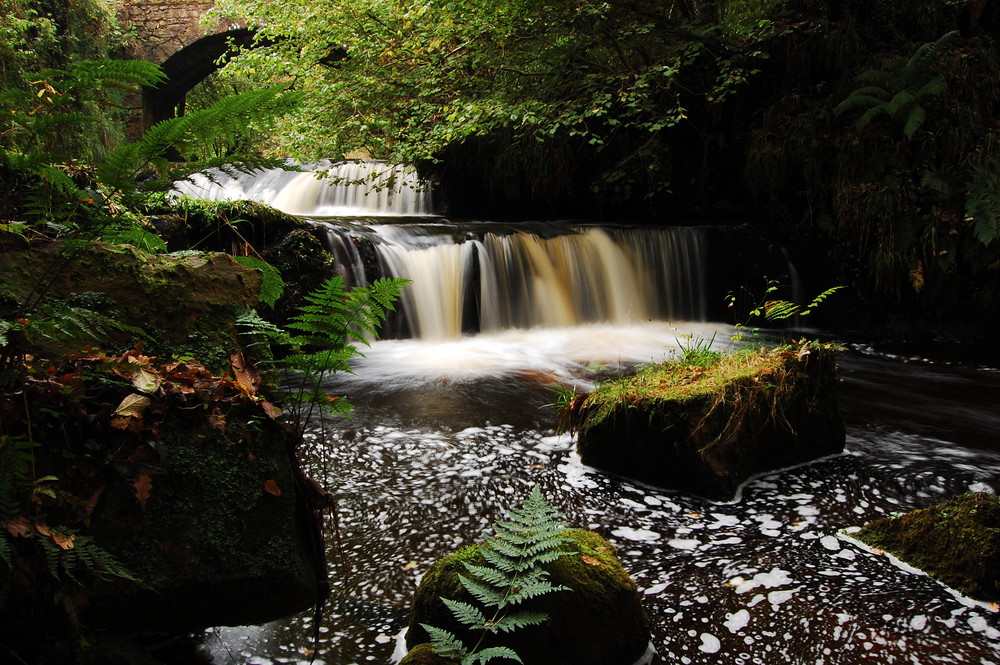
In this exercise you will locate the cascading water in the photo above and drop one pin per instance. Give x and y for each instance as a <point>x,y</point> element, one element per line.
<point>356,188</point>
<point>451,430</point>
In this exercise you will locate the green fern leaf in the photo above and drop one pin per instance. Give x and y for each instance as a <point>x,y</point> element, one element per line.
<point>445,643</point>
<point>484,656</point>
<point>271,285</point>
<point>466,613</point>
<point>517,620</point>
<point>487,595</point>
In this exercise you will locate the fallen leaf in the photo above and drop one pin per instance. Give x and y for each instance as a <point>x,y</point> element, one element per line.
<point>271,410</point>
<point>536,466</point>
<point>692,514</point>
<point>146,381</point>
<point>133,406</point>
<point>217,419</point>
<point>143,487</point>
<point>18,527</point>
<point>43,528</point>
<point>410,565</point>
<point>63,540</point>
<point>589,560</point>
<point>271,487</point>
<point>247,377</point>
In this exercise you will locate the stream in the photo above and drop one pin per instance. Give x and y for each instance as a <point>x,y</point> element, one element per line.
<point>451,430</point>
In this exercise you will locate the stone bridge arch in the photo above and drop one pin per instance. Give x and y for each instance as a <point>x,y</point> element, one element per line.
<point>170,33</point>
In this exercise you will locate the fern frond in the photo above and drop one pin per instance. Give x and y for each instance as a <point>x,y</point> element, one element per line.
<point>487,595</point>
<point>527,591</point>
<point>484,656</point>
<point>517,620</point>
<point>445,643</point>
<point>490,575</point>
<point>6,551</point>
<point>271,285</point>
<point>466,613</point>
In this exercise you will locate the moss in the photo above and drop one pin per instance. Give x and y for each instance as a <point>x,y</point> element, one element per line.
<point>708,429</point>
<point>600,620</point>
<point>956,542</point>
<point>424,654</point>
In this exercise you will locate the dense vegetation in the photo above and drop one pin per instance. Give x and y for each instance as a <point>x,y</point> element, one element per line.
<point>864,130</point>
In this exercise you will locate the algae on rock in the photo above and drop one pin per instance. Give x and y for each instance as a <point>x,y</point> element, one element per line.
<point>956,542</point>
<point>707,429</point>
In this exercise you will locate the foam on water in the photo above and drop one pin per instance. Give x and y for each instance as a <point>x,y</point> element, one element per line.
<point>773,577</point>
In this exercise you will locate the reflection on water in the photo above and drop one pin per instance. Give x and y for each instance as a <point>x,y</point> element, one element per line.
<point>445,440</point>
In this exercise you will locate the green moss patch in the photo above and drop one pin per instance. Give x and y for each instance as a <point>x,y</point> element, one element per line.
<point>707,428</point>
<point>956,542</point>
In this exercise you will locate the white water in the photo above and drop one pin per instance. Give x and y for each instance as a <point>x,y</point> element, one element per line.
<point>361,188</point>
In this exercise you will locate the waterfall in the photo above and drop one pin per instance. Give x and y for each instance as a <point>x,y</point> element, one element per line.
<point>489,281</point>
<point>326,189</point>
<point>482,276</point>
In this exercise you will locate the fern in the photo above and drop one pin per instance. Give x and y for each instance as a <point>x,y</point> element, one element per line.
<point>513,574</point>
<point>271,285</point>
<point>897,88</point>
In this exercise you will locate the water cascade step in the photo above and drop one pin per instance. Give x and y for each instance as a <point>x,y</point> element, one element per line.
<point>480,276</point>
<point>335,189</point>
<point>484,280</point>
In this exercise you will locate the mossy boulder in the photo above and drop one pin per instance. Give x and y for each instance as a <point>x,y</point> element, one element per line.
<point>708,428</point>
<point>185,303</point>
<point>956,542</point>
<point>213,526</point>
<point>600,621</point>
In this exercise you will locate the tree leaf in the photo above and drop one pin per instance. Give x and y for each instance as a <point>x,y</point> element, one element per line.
<point>271,487</point>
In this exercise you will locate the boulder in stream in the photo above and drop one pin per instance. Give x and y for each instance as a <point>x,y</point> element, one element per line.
<point>708,428</point>
<point>599,621</point>
<point>956,542</point>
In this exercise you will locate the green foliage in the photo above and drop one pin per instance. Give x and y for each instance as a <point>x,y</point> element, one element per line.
<point>39,123</point>
<point>897,88</point>
<point>405,81</point>
<point>772,309</point>
<point>271,285</point>
<point>321,339</point>
<point>697,351</point>
<point>513,573</point>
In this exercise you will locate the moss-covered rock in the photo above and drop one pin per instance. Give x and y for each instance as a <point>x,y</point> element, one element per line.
<point>707,429</point>
<point>956,542</point>
<point>214,528</point>
<point>600,621</point>
<point>184,303</point>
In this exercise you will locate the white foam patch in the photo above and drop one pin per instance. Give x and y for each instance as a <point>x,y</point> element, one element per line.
<point>770,580</point>
<point>737,621</point>
<point>709,643</point>
<point>637,535</point>
<point>684,543</point>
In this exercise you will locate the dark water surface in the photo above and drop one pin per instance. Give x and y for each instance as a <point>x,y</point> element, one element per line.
<point>447,438</point>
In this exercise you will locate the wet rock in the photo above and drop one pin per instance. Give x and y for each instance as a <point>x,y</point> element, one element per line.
<point>706,431</point>
<point>599,622</point>
<point>956,542</point>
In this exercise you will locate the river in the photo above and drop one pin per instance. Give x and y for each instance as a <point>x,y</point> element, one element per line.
<point>451,430</point>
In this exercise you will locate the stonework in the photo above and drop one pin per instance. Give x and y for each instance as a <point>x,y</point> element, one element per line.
<point>164,27</point>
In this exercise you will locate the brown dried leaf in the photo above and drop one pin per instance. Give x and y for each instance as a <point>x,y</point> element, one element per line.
<point>146,381</point>
<point>270,410</point>
<point>589,560</point>
<point>143,488</point>
<point>133,406</point>
<point>248,379</point>
<point>19,527</point>
<point>63,540</point>
<point>271,487</point>
<point>217,419</point>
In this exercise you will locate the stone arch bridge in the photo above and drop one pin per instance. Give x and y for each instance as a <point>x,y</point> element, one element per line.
<point>170,33</point>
